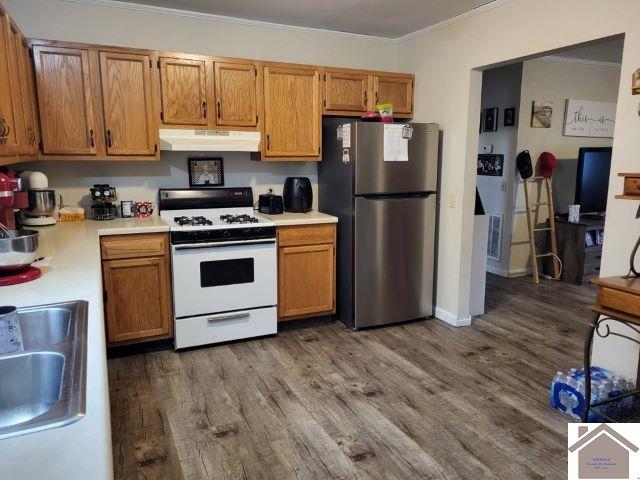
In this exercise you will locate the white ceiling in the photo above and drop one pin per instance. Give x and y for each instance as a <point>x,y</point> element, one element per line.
<point>609,50</point>
<point>381,18</point>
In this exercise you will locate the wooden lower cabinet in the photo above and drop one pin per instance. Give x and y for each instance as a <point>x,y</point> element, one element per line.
<point>306,271</point>
<point>137,290</point>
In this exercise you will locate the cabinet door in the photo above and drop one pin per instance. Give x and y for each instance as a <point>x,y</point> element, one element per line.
<point>346,92</point>
<point>65,100</point>
<point>138,300</point>
<point>292,112</point>
<point>11,121</point>
<point>306,280</point>
<point>395,90</point>
<point>128,104</point>
<point>28,99</point>
<point>183,83</point>
<point>236,94</point>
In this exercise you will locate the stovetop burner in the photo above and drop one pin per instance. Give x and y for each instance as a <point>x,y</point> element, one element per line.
<point>238,219</point>
<point>192,221</point>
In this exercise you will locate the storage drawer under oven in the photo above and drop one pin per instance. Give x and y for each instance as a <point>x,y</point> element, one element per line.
<point>223,327</point>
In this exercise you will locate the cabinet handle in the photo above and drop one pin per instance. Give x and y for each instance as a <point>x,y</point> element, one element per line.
<point>204,109</point>
<point>376,98</point>
<point>365,98</point>
<point>8,130</point>
<point>3,135</point>
<point>268,143</point>
<point>219,109</point>
<point>109,138</point>
<point>91,138</point>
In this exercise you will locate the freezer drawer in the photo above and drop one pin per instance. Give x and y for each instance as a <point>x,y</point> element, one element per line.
<point>394,259</point>
<point>223,327</point>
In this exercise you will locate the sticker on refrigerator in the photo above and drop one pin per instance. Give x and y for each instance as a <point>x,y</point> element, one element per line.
<point>345,156</point>
<point>396,146</point>
<point>346,135</point>
<point>407,132</point>
<point>339,132</point>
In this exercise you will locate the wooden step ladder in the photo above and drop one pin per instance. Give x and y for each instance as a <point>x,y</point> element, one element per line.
<point>532,229</point>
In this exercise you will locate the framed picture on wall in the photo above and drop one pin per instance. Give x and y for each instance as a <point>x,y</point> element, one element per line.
<point>490,165</point>
<point>205,172</point>
<point>509,117</point>
<point>541,114</point>
<point>490,121</point>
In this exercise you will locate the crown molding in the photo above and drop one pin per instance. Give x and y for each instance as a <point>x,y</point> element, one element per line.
<point>138,7</point>
<point>450,21</point>
<point>557,58</point>
<point>279,26</point>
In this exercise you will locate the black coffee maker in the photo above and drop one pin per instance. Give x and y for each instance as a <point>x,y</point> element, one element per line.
<point>297,194</point>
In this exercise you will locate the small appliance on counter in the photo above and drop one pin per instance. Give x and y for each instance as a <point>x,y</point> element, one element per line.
<point>270,204</point>
<point>18,250</point>
<point>12,199</point>
<point>102,206</point>
<point>42,200</point>
<point>297,195</point>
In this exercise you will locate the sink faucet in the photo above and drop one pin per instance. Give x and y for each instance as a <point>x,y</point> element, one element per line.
<point>10,334</point>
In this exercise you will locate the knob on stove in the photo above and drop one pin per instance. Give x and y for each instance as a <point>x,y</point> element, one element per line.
<point>226,234</point>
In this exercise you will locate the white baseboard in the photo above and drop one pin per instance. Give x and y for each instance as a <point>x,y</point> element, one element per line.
<point>498,270</point>
<point>503,272</point>
<point>452,319</point>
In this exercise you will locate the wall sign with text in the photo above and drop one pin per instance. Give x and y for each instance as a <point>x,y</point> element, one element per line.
<point>584,118</point>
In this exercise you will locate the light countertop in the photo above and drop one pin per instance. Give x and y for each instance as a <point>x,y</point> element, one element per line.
<point>309,218</point>
<point>83,449</point>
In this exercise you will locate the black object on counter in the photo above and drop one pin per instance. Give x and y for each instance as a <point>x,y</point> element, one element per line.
<point>297,194</point>
<point>270,204</point>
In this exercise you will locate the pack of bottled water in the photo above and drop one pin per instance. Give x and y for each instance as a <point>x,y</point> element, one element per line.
<point>567,390</point>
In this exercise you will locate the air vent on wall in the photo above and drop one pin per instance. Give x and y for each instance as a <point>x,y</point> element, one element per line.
<point>494,245</point>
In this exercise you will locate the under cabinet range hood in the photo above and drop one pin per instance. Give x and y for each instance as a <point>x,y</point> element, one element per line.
<point>179,140</point>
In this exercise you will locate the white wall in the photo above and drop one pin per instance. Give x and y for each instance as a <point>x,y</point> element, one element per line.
<point>501,89</point>
<point>141,180</point>
<point>446,62</point>
<point>128,27</point>
<point>556,80</point>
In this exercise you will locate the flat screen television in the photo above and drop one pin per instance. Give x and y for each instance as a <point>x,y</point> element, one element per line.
<point>592,182</point>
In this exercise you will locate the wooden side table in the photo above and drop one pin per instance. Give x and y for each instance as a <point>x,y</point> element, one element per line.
<point>618,301</point>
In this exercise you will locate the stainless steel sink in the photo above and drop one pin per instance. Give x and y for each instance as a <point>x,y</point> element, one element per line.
<point>44,386</point>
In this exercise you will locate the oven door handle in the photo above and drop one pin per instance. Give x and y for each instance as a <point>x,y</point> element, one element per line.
<point>230,316</point>
<point>197,246</point>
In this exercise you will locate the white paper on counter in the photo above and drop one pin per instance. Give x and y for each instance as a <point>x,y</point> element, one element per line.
<point>396,148</point>
<point>346,135</point>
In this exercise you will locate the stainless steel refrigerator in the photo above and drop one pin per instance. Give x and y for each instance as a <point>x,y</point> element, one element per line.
<point>387,221</point>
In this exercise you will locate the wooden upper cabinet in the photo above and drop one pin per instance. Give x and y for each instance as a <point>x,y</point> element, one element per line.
<point>236,94</point>
<point>397,90</point>
<point>65,94</point>
<point>183,85</point>
<point>11,116</point>
<point>127,97</point>
<point>28,99</point>
<point>291,112</point>
<point>345,91</point>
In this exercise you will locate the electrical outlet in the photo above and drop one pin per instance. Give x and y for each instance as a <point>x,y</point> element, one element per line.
<point>453,202</point>
<point>503,186</point>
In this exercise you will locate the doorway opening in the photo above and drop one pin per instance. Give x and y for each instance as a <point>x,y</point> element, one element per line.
<point>562,103</point>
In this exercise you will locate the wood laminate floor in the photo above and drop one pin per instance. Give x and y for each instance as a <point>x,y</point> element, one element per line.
<point>414,401</point>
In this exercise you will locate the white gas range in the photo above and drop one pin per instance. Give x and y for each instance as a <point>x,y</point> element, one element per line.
<point>224,263</point>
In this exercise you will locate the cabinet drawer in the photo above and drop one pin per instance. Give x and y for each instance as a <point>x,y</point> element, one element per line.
<point>593,258</point>
<point>619,300</point>
<point>306,235</point>
<point>133,246</point>
<point>224,327</point>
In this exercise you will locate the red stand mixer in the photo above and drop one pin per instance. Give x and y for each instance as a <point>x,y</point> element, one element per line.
<point>17,247</point>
